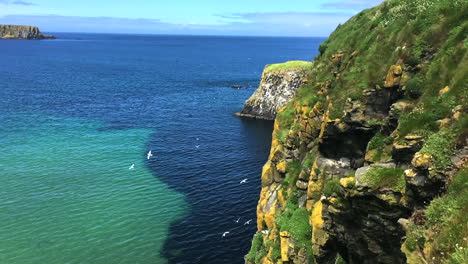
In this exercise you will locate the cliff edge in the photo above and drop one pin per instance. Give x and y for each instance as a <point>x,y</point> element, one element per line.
<point>22,32</point>
<point>278,85</point>
<point>369,160</point>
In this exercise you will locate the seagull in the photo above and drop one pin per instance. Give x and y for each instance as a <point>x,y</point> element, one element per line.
<point>225,233</point>
<point>197,146</point>
<point>132,167</point>
<point>243,181</point>
<point>149,155</point>
<point>248,222</point>
<point>237,221</point>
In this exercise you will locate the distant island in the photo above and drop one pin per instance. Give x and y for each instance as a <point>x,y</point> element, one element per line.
<point>22,32</point>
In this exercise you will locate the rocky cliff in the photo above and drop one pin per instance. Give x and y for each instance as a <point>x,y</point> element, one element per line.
<point>22,32</point>
<point>369,160</point>
<point>278,85</point>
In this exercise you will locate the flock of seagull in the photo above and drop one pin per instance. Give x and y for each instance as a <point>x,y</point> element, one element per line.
<point>150,154</point>
<point>237,221</point>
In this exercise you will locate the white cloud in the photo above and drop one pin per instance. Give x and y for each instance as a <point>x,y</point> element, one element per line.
<point>259,24</point>
<point>353,4</point>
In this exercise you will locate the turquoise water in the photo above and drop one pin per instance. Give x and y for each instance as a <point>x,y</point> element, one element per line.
<point>68,195</point>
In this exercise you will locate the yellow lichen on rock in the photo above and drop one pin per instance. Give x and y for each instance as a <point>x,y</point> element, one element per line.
<point>281,198</point>
<point>410,173</point>
<point>446,89</point>
<point>348,182</point>
<point>268,172</point>
<point>315,186</point>
<point>422,160</point>
<point>393,76</point>
<point>444,123</point>
<point>319,235</point>
<point>287,245</point>
<point>282,166</point>
<point>316,216</point>
<point>457,111</point>
<point>390,198</point>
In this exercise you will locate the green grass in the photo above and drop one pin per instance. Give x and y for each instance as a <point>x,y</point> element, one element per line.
<point>286,120</point>
<point>378,141</point>
<point>296,222</point>
<point>293,170</point>
<point>290,65</point>
<point>332,187</point>
<point>446,226</point>
<point>440,146</point>
<point>414,87</point>
<point>257,245</point>
<point>379,177</point>
<point>308,161</point>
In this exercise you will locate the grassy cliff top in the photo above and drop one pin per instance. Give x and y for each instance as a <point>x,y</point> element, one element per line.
<point>427,39</point>
<point>289,65</point>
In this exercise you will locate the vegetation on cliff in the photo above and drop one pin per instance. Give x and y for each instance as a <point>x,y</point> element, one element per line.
<point>372,150</point>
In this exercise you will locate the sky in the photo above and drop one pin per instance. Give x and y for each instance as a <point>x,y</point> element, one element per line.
<point>195,17</point>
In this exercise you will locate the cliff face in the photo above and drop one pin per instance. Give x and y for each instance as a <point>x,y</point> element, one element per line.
<point>278,85</point>
<point>22,32</point>
<point>369,159</point>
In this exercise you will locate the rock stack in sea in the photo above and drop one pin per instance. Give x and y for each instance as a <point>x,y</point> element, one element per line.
<point>278,86</point>
<point>22,32</point>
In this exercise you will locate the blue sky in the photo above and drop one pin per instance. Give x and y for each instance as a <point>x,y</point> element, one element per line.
<point>205,17</point>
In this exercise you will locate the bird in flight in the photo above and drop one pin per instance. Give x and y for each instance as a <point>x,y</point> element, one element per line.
<point>243,181</point>
<point>225,233</point>
<point>248,222</point>
<point>132,167</point>
<point>149,155</point>
<point>237,221</point>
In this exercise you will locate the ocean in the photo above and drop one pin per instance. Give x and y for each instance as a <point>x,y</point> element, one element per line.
<point>77,112</point>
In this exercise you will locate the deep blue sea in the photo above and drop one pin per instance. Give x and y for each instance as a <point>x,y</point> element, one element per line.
<point>77,118</point>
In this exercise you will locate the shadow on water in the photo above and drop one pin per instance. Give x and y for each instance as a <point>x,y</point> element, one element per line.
<point>209,178</point>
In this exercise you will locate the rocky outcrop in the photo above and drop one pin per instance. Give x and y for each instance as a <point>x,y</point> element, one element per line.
<point>278,85</point>
<point>369,162</point>
<point>22,32</point>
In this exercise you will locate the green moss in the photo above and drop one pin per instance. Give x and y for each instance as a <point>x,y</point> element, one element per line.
<point>257,244</point>
<point>415,238</point>
<point>290,65</point>
<point>379,177</point>
<point>293,170</point>
<point>414,88</point>
<point>260,255</point>
<point>286,120</point>
<point>308,161</point>
<point>296,222</point>
<point>332,187</point>
<point>439,146</point>
<point>276,252</point>
<point>376,142</point>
